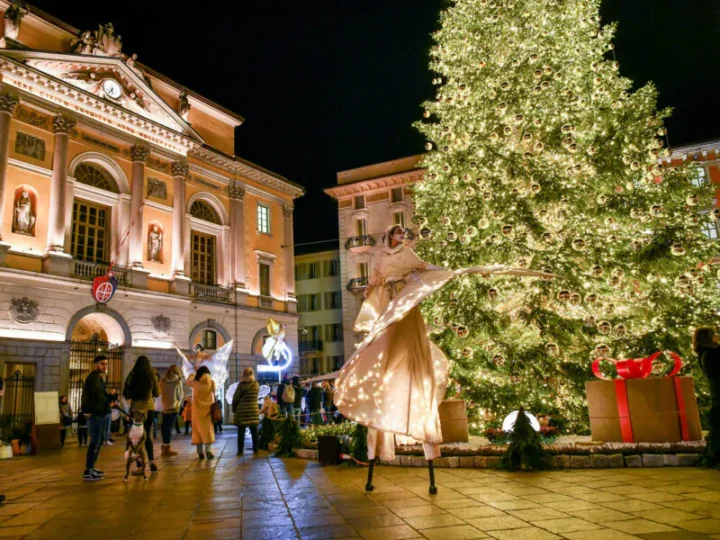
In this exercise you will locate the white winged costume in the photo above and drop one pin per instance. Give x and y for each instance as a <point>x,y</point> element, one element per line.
<point>397,377</point>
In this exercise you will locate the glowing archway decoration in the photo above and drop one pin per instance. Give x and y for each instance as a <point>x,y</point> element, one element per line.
<point>275,350</point>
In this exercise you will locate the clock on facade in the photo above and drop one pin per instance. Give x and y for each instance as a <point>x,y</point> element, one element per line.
<point>111,88</point>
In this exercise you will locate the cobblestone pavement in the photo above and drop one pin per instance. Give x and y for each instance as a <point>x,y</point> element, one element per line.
<point>264,497</point>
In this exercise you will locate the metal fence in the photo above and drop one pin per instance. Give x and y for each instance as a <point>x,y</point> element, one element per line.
<point>17,403</point>
<point>82,354</point>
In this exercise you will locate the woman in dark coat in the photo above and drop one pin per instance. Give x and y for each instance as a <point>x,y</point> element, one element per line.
<point>245,409</point>
<point>705,345</point>
<point>314,402</point>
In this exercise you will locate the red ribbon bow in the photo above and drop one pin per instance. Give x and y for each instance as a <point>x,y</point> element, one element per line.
<point>636,368</point>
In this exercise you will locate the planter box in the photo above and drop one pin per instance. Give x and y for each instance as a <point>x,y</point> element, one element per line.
<point>6,452</point>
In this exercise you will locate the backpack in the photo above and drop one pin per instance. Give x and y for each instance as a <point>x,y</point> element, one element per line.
<point>288,395</point>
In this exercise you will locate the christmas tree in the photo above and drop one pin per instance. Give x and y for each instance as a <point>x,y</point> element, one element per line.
<point>540,155</point>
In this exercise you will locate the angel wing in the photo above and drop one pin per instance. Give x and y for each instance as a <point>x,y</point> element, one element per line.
<point>218,364</point>
<point>231,393</point>
<point>187,368</point>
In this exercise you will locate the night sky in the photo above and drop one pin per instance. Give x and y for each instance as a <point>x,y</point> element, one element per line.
<point>329,85</point>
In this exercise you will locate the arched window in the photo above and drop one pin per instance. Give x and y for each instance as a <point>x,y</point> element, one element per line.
<point>204,211</point>
<point>92,175</point>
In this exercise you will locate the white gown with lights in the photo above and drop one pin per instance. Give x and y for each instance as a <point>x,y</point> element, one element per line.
<point>396,379</point>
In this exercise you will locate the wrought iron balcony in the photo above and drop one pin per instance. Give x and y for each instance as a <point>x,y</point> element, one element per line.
<point>360,244</point>
<point>358,283</point>
<point>90,270</point>
<point>310,346</point>
<point>212,293</point>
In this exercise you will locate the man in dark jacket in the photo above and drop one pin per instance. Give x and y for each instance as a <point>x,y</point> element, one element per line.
<point>96,404</point>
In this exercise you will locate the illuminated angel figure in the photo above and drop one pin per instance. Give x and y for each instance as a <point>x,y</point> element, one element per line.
<point>275,350</point>
<point>396,379</point>
<point>217,363</point>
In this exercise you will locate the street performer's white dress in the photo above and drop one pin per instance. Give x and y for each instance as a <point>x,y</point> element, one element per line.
<point>396,379</point>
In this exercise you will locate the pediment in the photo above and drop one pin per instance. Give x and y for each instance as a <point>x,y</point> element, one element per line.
<point>91,73</point>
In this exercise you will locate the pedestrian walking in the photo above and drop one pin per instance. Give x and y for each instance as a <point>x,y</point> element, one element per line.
<point>328,405</point>
<point>186,413</point>
<point>141,388</point>
<point>171,394</point>
<point>82,429</point>
<point>297,403</point>
<point>705,345</point>
<point>203,398</point>
<point>245,409</point>
<point>218,426</point>
<point>66,418</point>
<point>96,404</point>
<point>314,402</point>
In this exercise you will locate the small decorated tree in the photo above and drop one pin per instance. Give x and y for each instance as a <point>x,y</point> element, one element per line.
<point>540,155</point>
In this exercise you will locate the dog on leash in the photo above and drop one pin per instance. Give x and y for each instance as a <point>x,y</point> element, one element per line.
<point>135,446</point>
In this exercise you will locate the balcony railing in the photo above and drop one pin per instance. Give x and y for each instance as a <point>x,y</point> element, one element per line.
<point>310,346</point>
<point>212,293</point>
<point>359,244</point>
<point>357,283</point>
<point>90,270</point>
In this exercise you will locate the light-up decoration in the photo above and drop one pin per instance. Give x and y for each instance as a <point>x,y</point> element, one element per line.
<point>217,364</point>
<point>275,350</point>
<point>509,423</point>
<point>265,390</point>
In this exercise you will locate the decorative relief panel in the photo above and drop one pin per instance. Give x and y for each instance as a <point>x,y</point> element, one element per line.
<point>156,188</point>
<point>161,325</point>
<point>23,310</point>
<point>34,119</point>
<point>28,145</point>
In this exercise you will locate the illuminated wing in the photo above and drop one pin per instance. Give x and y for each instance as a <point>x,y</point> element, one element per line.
<point>265,390</point>
<point>187,368</point>
<point>231,392</point>
<point>269,347</point>
<point>218,364</point>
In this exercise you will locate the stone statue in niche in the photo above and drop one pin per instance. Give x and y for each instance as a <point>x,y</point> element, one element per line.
<point>24,215</point>
<point>155,243</point>
<point>23,310</point>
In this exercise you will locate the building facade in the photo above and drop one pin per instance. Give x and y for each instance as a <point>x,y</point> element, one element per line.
<point>103,162</point>
<point>370,199</point>
<point>318,287</point>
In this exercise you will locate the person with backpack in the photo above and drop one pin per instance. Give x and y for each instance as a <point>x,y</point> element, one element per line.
<point>286,396</point>
<point>705,345</point>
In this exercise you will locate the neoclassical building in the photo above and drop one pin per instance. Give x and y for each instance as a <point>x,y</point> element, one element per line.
<point>105,161</point>
<point>370,199</point>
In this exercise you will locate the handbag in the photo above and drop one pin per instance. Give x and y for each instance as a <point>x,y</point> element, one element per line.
<point>67,421</point>
<point>215,413</point>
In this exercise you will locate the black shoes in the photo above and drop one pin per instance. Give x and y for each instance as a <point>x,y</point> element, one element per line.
<point>153,467</point>
<point>201,456</point>
<point>210,455</point>
<point>92,476</point>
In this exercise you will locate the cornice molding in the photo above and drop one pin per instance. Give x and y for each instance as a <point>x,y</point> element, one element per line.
<point>235,166</point>
<point>364,187</point>
<point>159,206</point>
<point>30,167</point>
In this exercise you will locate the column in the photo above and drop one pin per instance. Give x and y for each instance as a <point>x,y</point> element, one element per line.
<point>7,107</point>
<point>137,195</point>
<point>289,257</point>
<point>180,283</point>
<point>56,261</point>
<point>236,193</point>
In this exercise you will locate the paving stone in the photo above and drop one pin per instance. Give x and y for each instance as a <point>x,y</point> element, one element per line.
<point>579,462</point>
<point>458,532</point>
<point>705,526</point>
<point>688,460</point>
<point>638,526</point>
<point>633,461</point>
<point>653,460</point>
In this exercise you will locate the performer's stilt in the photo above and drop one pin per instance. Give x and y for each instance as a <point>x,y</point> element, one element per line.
<point>369,486</point>
<point>431,468</point>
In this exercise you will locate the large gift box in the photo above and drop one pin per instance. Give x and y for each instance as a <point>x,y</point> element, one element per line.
<point>653,409</point>
<point>453,421</point>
